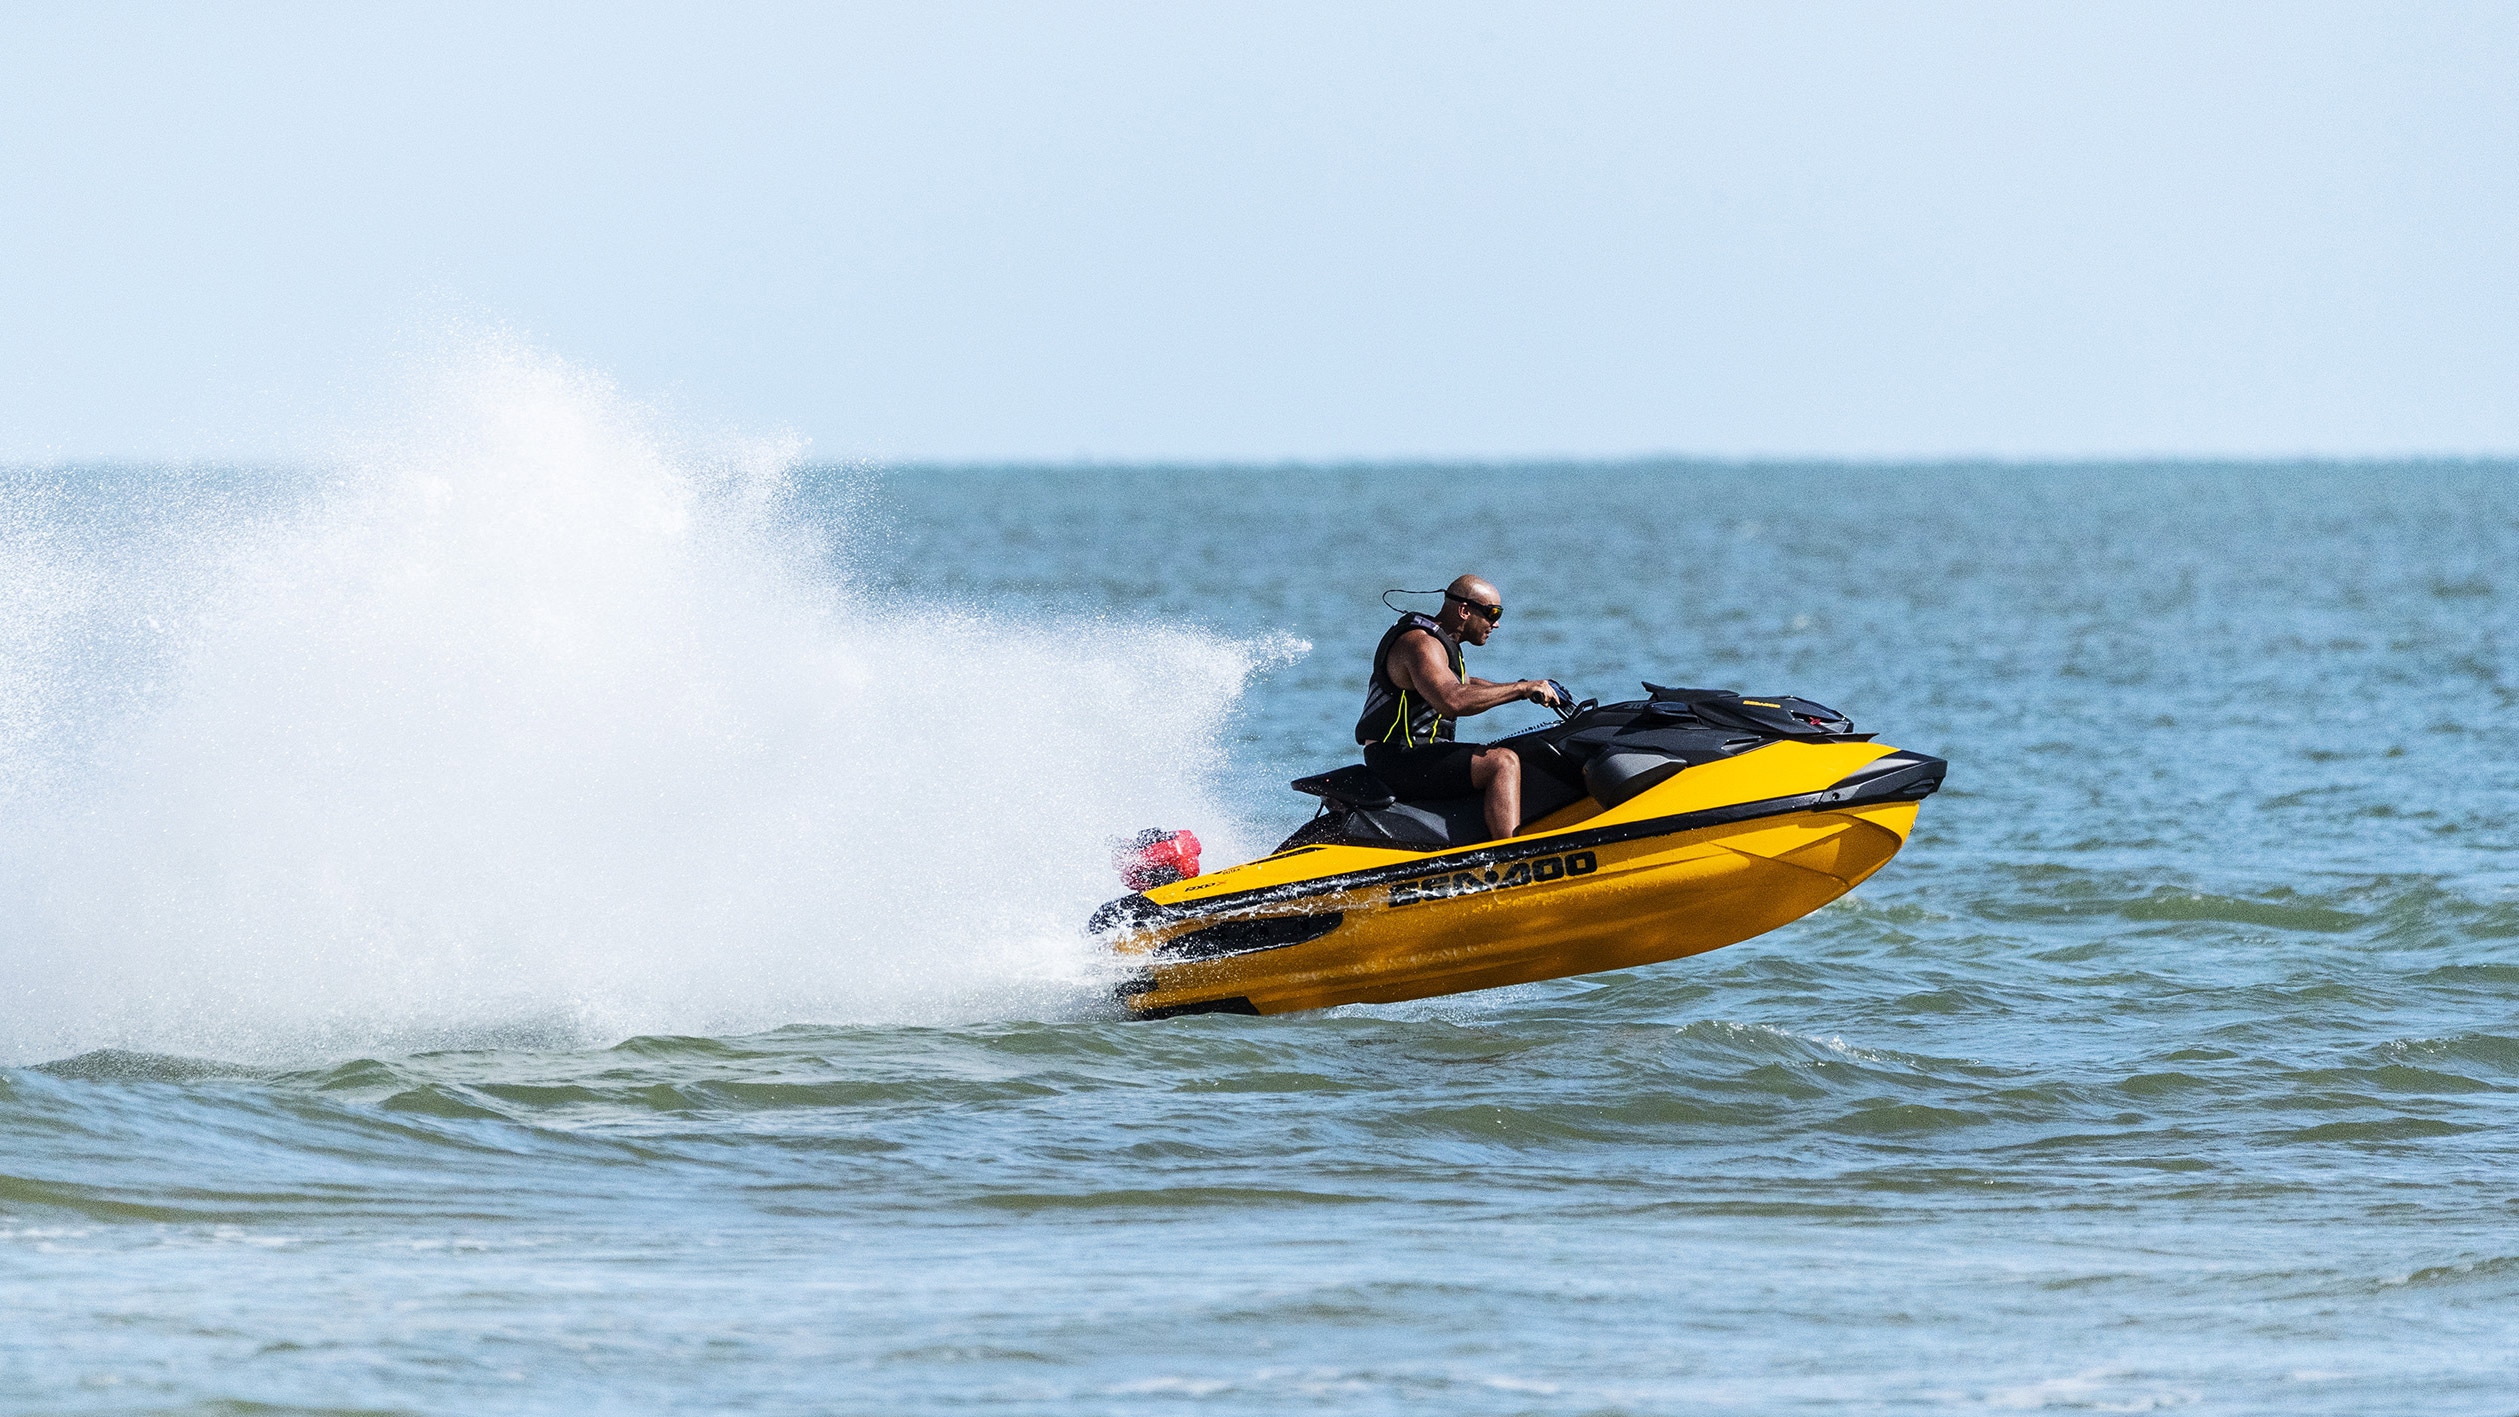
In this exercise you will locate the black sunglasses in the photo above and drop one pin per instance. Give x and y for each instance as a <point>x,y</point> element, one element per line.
<point>1494,613</point>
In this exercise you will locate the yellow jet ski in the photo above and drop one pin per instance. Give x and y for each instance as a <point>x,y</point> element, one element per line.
<point>1654,829</point>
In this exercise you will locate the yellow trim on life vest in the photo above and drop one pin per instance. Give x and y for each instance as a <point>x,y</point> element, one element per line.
<point>1399,717</point>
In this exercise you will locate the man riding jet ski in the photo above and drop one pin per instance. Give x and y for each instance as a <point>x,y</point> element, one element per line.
<point>1421,686</point>
<point>1622,835</point>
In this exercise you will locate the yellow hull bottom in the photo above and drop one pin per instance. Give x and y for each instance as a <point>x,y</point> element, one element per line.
<point>1514,921</point>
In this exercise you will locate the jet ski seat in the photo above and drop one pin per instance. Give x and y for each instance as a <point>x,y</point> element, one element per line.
<point>1351,786</point>
<point>1360,809</point>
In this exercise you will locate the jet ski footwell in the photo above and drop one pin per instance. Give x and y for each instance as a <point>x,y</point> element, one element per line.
<point>1706,857</point>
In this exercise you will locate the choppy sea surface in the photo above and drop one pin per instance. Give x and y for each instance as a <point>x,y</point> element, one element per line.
<point>2174,1064</point>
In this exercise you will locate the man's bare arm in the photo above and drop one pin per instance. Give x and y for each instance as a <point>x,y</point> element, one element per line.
<point>1417,665</point>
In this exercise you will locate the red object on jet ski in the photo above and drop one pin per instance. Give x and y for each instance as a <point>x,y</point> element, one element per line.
<point>1155,857</point>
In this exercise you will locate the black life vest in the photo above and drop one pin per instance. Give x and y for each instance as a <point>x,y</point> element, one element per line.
<point>1392,714</point>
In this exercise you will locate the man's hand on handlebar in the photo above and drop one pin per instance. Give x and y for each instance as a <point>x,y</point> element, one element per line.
<point>1541,691</point>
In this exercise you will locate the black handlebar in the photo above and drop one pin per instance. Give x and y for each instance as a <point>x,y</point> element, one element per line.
<point>1565,700</point>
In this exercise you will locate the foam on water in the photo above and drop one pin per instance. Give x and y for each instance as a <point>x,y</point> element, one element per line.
<point>522,717</point>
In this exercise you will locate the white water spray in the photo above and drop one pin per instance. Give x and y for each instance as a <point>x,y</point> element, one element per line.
<point>524,723</point>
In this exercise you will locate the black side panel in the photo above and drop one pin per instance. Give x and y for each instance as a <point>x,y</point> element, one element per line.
<point>1414,825</point>
<point>1238,937</point>
<point>1543,755</point>
<point>1543,793</point>
<point>1464,818</point>
<point>1406,826</point>
<point>1329,829</point>
<point>1614,777</point>
<point>1238,1004</point>
<point>1899,777</point>
<point>1692,743</point>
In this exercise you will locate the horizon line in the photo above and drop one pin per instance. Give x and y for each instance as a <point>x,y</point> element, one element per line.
<point>1084,462</point>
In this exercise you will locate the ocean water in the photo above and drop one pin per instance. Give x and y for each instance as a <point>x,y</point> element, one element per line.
<point>540,915</point>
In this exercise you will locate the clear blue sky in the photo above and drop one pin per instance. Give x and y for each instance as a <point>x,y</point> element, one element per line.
<point>1284,230</point>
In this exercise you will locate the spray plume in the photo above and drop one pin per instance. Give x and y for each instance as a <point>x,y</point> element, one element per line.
<point>519,722</point>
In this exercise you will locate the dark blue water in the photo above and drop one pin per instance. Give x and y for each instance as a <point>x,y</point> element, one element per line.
<point>2174,1063</point>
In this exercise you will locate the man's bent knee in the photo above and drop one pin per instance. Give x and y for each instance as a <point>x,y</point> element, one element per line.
<point>1494,765</point>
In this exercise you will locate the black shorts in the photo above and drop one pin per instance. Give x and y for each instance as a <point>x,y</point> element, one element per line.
<point>1425,774</point>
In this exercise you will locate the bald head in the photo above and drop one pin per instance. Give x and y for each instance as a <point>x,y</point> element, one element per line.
<point>1465,609</point>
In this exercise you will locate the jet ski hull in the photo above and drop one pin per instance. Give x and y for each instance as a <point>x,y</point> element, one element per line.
<point>1714,855</point>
